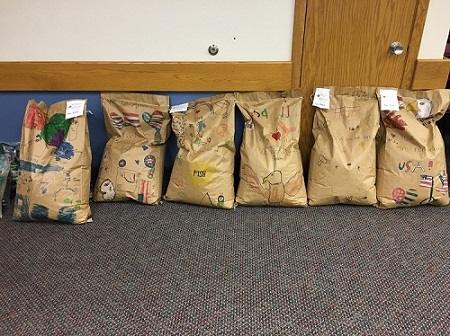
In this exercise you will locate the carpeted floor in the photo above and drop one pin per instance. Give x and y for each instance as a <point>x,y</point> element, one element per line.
<point>179,269</point>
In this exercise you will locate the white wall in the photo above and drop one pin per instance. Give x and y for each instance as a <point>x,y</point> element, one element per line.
<point>145,30</point>
<point>436,30</point>
<point>166,30</point>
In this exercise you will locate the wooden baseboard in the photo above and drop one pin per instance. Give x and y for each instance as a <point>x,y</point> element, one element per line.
<point>431,74</point>
<point>145,76</point>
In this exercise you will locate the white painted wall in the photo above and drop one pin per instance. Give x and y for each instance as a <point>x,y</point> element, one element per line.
<point>166,30</point>
<point>145,30</point>
<point>436,30</point>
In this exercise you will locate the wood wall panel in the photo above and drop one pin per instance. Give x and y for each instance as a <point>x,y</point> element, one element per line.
<point>145,76</point>
<point>431,74</point>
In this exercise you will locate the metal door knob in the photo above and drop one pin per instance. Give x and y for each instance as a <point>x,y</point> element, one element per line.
<point>396,48</point>
<point>213,50</point>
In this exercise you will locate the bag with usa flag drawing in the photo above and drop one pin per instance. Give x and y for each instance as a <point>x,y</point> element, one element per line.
<point>411,163</point>
<point>132,165</point>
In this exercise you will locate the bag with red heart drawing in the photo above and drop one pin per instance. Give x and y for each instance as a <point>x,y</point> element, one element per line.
<point>271,170</point>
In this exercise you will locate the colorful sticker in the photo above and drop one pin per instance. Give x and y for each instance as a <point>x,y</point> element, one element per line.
<point>150,161</point>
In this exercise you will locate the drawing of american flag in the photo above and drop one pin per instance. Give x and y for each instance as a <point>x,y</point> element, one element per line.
<point>426,181</point>
<point>132,119</point>
<point>143,191</point>
<point>116,120</point>
<point>444,182</point>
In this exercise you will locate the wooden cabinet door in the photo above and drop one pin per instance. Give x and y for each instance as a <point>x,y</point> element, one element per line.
<point>346,43</point>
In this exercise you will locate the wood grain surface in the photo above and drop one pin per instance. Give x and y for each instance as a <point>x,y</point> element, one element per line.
<point>431,74</point>
<point>347,43</point>
<point>138,76</point>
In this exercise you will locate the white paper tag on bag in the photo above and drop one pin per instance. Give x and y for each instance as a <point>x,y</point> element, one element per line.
<point>388,100</point>
<point>322,98</point>
<point>179,108</point>
<point>75,108</point>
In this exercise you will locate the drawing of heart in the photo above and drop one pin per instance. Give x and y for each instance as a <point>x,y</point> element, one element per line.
<point>154,120</point>
<point>276,135</point>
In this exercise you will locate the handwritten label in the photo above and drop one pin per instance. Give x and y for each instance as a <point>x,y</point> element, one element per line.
<point>388,100</point>
<point>179,108</point>
<point>322,98</point>
<point>75,108</point>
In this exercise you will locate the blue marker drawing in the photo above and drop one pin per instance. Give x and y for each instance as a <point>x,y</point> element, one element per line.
<point>37,168</point>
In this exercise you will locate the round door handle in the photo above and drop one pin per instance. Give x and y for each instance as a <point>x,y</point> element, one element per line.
<point>396,48</point>
<point>213,50</point>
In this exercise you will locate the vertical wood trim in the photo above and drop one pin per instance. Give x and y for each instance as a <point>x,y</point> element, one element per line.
<point>414,43</point>
<point>297,41</point>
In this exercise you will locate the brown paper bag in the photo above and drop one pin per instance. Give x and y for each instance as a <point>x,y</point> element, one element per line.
<point>343,159</point>
<point>411,167</point>
<point>132,167</point>
<point>271,171</point>
<point>55,164</point>
<point>203,170</point>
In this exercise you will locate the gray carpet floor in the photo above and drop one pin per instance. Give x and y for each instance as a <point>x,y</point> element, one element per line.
<point>180,269</point>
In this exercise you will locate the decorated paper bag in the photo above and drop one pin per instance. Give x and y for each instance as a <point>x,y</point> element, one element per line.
<point>132,167</point>
<point>5,163</point>
<point>343,158</point>
<point>411,168</point>
<point>55,163</point>
<point>271,171</point>
<point>203,170</point>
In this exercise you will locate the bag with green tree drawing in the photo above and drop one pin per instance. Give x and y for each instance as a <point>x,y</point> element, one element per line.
<point>55,164</point>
